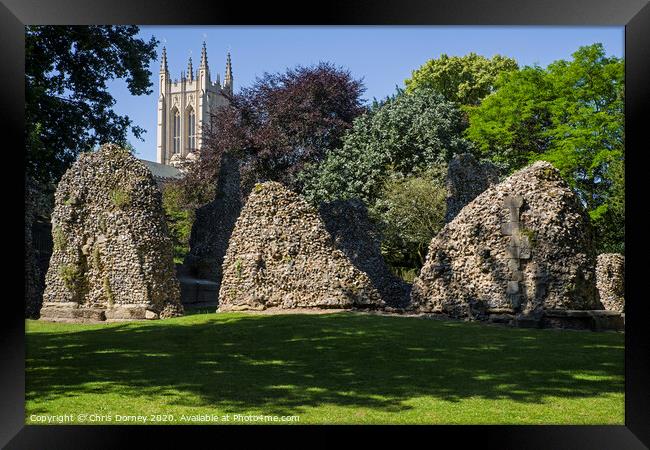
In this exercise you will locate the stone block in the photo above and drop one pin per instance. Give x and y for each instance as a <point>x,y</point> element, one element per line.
<point>72,314</point>
<point>513,202</point>
<point>513,287</point>
<point>509,228</point>
<point>126,312</point>
<point>517,275</point>
<point>513,264</point>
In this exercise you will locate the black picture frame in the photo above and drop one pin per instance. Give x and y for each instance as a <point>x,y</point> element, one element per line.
<point>633,14</point>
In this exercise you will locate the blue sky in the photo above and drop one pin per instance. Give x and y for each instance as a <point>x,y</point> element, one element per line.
<point>382,56</point>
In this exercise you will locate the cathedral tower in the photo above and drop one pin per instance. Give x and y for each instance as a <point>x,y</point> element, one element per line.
<point>184,106</point>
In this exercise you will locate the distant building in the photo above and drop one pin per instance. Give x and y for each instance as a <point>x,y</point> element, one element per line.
<point>184,108</point>
<point>162,173</point>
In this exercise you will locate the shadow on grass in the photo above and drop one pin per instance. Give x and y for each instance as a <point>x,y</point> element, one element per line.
<point>286,362</point>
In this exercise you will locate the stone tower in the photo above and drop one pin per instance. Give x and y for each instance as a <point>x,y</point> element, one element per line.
<point>185,104</point>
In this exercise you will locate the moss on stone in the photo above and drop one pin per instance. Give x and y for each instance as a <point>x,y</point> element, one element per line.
<point>531,235</point>
<point>121,197</point>
<point>107,290</point>
<point>71,275</point>
<point>97,261</point>
<point>238,267</point>
<point>58,238</point>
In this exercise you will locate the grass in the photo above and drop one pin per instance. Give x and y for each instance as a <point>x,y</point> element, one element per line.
<point>329,368</point>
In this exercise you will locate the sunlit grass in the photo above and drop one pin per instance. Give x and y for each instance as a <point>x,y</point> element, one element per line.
<point>331,368</point>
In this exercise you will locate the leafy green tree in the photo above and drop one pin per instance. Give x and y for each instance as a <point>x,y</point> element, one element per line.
<point>570,114</point>
<point>410,212</point>
<point>462,79</point>
<point>179,219</point>
<point>68,108</point>
<point>405,135</point>
<point>609,217</point>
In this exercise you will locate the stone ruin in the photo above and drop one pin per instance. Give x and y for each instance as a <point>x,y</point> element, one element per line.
<point>610,280</point>
<point>200,274</point>
<point>281,255</point>
<point>520,249</point>
<point>112,257</point>
<point>466,179</point>
<point>214,223</point>
<point>348,223</point>
<point>33,289</point>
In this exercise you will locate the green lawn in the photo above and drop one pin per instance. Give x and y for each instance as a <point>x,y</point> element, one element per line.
<point>328,368</point>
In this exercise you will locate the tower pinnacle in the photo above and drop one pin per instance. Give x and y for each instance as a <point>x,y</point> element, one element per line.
<point>227,79</point>
<point>204,57</point>
<point>190,71</point>
<point>163,61</point>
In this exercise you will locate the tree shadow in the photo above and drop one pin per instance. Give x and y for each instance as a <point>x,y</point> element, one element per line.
<point>352,232</point>
<point>285,363</point>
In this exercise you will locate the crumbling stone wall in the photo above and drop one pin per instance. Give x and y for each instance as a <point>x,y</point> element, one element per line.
<point>348,223</point>
<point>522,246</point>
<point>214,223</point>
<point>466,179</point>
<point>610,279</point>
<point>281,255</point>
<point>33,289</point>
<point>112,257</point>
<point>39,202</point>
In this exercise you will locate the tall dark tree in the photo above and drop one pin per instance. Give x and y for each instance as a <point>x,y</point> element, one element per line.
<point>68,108</point>
<point>281,122</point>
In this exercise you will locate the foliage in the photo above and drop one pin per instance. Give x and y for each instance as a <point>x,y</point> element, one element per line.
<point>68,108</point>
<point>180,219</point>
<point>570,114</point>
<point>407,274</point>
<point>609,218</point>
<point>404,135</point>
<point>110,297</point>
<point>465,80</point>
<point>281,122</point>
<point>72,276</point>
<point>97,258</point>
<point>326,368</point>
<point>58,238</point>
<point>410,211</point>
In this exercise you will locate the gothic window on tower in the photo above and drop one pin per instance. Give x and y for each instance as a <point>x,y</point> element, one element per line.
<point>191,124</point>
<point>176,136</point>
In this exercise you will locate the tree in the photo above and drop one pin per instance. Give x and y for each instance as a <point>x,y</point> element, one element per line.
<point>280,123</point>
<point>410,212</point>
<point>465,80</point>
<point>405,135</point>
<point>570,114</point>
<point>180,219</point>
<point>609,217</point>
<point>68,109</point>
